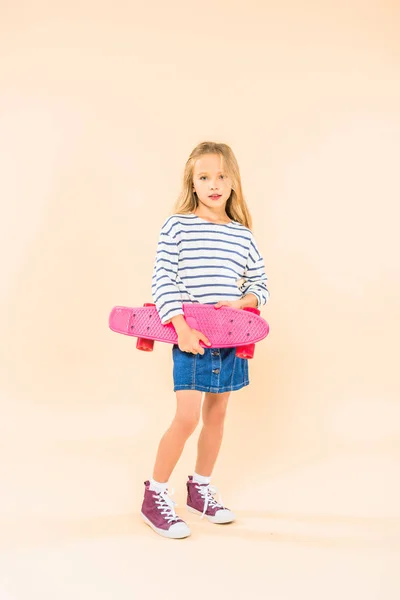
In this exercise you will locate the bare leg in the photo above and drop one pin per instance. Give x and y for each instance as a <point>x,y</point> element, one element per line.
<point>173,441</point>
<point>214,411</point>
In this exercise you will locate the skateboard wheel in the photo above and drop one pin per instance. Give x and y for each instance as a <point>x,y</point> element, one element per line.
<point>145,344</point>
<point>245,351</point>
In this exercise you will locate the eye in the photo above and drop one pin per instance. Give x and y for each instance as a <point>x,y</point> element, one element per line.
<point>203,177</point>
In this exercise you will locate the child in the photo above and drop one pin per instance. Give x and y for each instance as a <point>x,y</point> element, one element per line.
<point>207,254</point>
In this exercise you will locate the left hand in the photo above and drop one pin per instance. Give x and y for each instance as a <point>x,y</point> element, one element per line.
<point>232,304</point>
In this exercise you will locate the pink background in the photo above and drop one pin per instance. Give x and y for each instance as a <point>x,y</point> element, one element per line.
<point>100,105</point>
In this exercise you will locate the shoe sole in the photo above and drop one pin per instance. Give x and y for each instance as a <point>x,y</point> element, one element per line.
<point>163,532</point>
<point>216,520</point>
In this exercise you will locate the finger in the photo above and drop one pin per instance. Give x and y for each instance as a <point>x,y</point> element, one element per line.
<point>204,339</point>
<point>197,348</point>
<point>185,348</point>
<point>223,303</point>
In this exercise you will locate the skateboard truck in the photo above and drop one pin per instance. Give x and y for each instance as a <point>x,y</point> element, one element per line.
<point>248,350</point>
<point>145,344</point>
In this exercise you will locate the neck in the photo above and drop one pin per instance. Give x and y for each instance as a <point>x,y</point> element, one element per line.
<point>210,215</point>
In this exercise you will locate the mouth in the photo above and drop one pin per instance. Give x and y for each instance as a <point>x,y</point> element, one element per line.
<point>215,196</point>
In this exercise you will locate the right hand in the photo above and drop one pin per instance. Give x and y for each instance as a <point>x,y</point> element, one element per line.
<point>189,341</point>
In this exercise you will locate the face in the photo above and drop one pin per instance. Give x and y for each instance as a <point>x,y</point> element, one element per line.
<point>210,182</point>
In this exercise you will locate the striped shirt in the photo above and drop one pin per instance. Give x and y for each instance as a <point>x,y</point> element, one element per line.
<point>203,262</point>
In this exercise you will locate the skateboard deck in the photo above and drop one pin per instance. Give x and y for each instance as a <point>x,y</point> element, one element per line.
<point>225,327</point>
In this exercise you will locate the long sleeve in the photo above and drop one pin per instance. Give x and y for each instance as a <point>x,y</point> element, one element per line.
<point>254,278</point>
<point>165,291</point>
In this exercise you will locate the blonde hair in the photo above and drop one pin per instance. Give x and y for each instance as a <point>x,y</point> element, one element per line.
<point>236,207</point>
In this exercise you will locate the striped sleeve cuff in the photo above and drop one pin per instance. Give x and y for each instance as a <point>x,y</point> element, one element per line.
<point>168,312</point>
<point>260,292</point>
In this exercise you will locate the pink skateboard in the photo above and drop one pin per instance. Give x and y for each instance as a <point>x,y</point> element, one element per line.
<point>225,327</point>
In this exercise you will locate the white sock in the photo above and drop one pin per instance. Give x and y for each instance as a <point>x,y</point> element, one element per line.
<point>200,479</point>
<point>156,486</point>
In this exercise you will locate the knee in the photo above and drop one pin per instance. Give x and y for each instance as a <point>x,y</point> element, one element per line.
<point>186,423</point>
<point>215,416</point>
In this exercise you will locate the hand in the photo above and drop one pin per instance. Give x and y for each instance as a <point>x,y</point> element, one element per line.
<point>243,302</point>
<point>232,304</point>
<point>189,340</point>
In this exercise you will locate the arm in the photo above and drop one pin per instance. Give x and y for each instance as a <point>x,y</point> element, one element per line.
<point>254,286</point>
<point>248,300</point>
<point>165,291</point>
<point>167,297</point>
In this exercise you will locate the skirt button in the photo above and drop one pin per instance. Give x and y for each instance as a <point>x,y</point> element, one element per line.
<point>216,371</point>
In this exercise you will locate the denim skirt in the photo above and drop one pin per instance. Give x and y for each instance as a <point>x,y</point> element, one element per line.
<point>218,370</point>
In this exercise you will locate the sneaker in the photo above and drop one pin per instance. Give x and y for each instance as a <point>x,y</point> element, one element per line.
<point>158,512</point>
<point>201,501</point>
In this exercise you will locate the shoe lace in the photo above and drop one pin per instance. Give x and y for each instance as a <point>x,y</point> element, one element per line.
<point>166,505</point>
<point>207,492</point>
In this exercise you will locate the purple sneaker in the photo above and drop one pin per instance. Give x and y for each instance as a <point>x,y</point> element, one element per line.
<point>158,512</point>
<point>201,501</point>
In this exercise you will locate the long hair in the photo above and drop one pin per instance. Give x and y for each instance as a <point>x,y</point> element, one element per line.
<point>236,207</point>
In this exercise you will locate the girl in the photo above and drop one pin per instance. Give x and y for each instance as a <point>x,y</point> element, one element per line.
<point>206,253</point>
